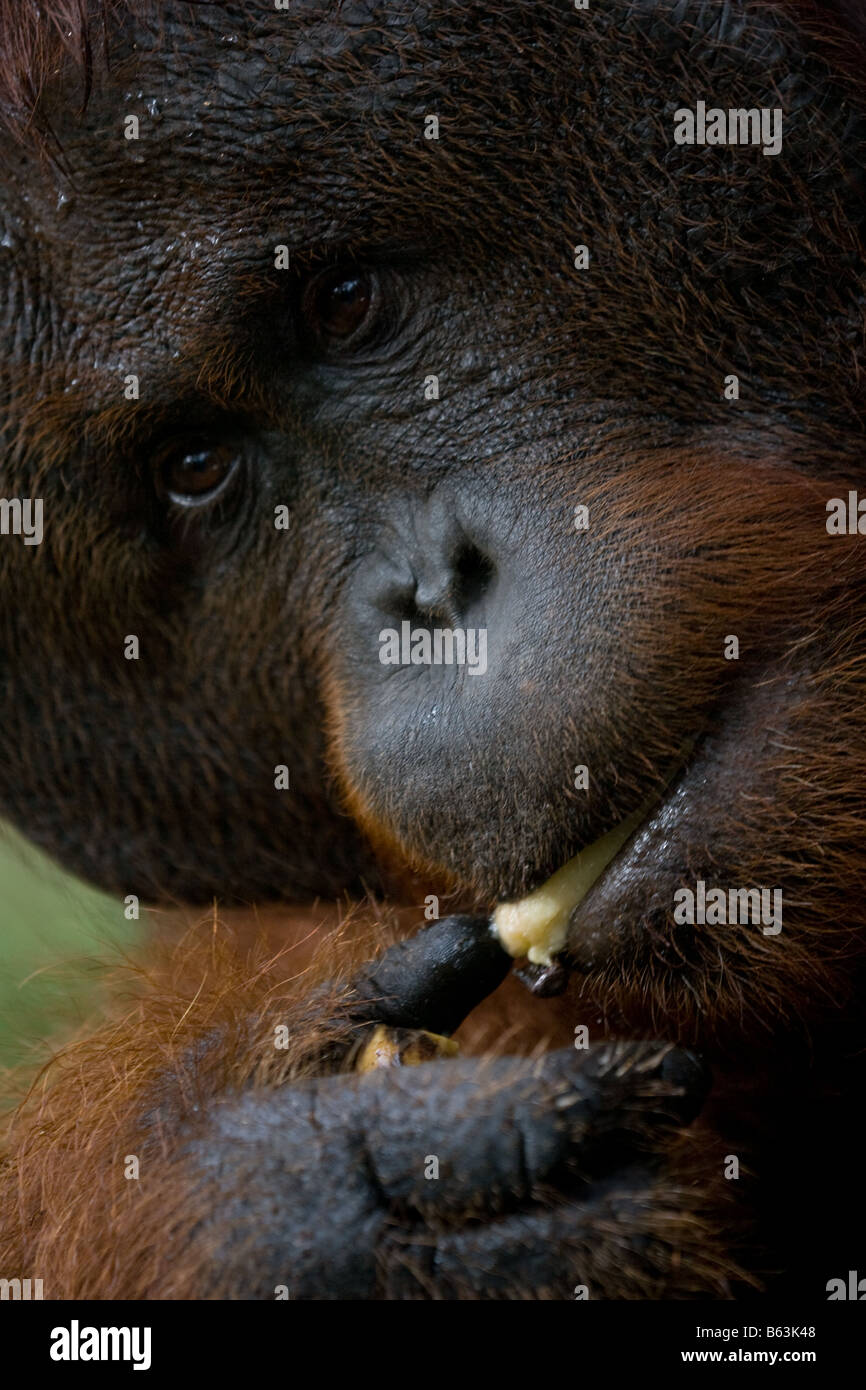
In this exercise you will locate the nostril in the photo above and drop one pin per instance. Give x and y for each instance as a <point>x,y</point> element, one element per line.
<point>453,591</point>
<point>430,569</point>
<point>473,576</point>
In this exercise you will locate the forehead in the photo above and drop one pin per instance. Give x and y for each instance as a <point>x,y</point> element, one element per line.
<point>307,126</point>
<point>323,102</point>
<point>241,105</point>
<point>265,72</point>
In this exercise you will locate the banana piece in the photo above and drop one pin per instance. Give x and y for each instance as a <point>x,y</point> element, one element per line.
<point>402,1047</point>
<point>536,926</point>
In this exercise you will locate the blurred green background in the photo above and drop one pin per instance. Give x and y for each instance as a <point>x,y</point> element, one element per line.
<point>56,939</point>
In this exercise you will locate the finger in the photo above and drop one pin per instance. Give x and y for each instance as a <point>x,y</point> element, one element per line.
<point>309,1181</point>
<point>433,979</point>
<point>640,1236</point>
<point>483,1137</point>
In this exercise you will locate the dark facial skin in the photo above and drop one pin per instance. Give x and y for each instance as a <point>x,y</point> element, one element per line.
<point>304,388</point>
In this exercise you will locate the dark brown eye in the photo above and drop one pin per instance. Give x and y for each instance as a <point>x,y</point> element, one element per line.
<point>339,304</point>
<point>192,477</point>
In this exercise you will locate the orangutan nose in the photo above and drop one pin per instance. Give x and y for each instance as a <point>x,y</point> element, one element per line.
<point>435,572</point>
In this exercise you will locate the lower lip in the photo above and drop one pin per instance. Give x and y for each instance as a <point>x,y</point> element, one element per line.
<point>536,926</point>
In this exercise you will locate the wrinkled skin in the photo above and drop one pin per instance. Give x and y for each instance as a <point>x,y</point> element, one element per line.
<point>259,647</point>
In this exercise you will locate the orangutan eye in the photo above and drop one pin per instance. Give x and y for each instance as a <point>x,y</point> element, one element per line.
<point>195,476</point>
<point>341,308</point>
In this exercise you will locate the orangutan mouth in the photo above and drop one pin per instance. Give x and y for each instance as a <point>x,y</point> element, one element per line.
<point>536,926</point>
